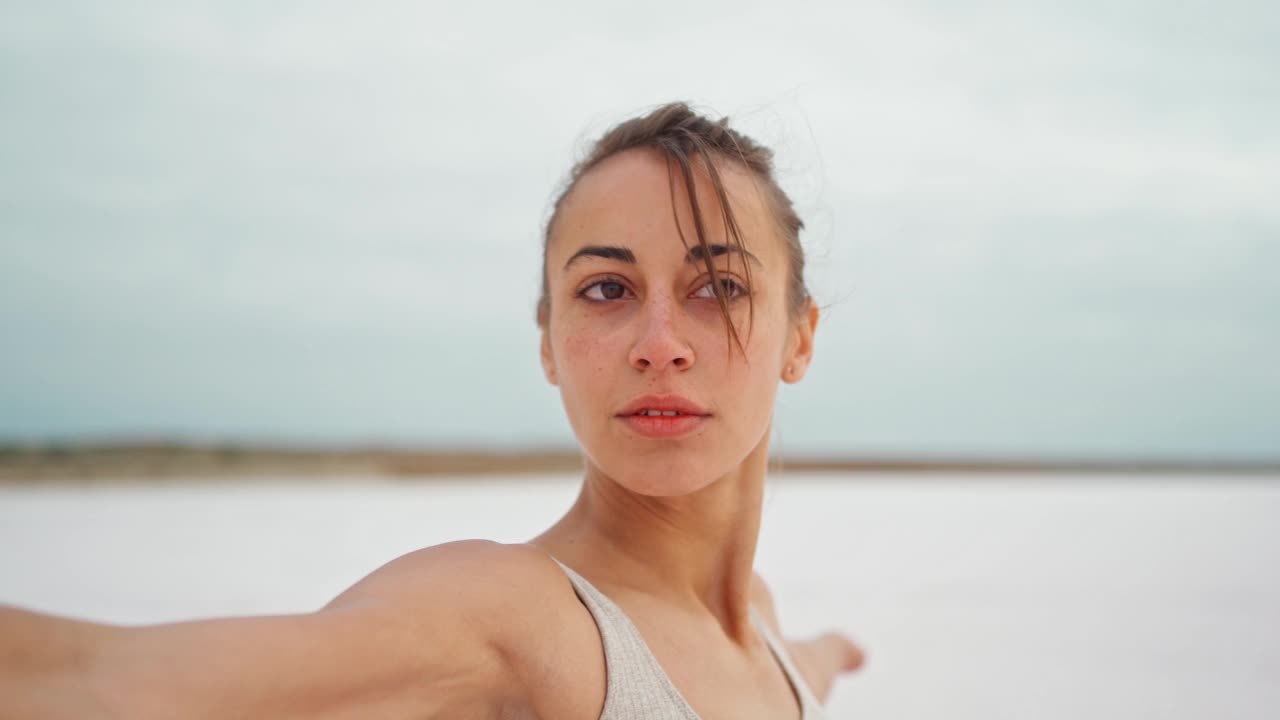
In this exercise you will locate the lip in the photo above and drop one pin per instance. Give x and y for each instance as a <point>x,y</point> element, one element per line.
<point>663,426</point>
<point>669,401</point>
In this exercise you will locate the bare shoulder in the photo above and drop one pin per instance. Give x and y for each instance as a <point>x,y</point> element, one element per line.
<point>522,604</point>
<point>494,583</point>
<point>762,599</point>
<point>819,659</point>
<point>515,600</point>
<point>475,567</point>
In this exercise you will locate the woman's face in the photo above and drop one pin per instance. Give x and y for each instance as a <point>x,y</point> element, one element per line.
<point>632,314</point>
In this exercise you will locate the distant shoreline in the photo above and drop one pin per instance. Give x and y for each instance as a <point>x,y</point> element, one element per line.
<point>163,461</point>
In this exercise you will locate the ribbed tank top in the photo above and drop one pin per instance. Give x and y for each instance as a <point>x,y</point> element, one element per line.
<point>637,688</point>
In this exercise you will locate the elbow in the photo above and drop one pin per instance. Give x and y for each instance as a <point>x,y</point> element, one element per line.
<point>113,685</point>
<point>97,677</point>
<point>48,667</point>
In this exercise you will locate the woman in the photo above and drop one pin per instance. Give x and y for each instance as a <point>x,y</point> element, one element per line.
<point>673,301</point>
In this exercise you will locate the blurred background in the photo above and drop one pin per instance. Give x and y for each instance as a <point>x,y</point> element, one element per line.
<point>267,285</point>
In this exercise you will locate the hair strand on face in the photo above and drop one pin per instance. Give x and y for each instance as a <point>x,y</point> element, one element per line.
<point>682,135</point>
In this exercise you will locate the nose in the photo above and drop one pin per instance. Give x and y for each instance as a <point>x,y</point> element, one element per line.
<point>661,343</point>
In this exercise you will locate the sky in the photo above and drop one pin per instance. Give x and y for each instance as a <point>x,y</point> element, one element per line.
<point>1035,229</point>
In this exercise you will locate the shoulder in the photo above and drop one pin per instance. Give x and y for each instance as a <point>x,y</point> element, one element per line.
<point>485,580</point>
<point>483,561</point>
<point>807,656</point>
<point>515,600</point>
<point>762,600</point>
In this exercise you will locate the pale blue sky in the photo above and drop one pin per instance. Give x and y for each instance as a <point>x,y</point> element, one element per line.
<point>1040,229</point>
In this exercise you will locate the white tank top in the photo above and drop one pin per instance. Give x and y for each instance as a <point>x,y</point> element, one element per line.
<point>637,687</point>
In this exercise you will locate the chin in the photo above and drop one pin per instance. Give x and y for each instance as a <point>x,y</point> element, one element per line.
<point>664,488</point>
<point>667,477</point>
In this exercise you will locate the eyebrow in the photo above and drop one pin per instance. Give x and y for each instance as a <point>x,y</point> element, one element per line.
<point>695,254</point>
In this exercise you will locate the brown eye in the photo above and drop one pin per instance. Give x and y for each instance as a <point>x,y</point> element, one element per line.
<point>608,290</point>
<point>732,289</point>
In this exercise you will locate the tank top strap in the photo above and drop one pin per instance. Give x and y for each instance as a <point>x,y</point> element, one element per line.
<point>810,708</point>
<point>637,688</point>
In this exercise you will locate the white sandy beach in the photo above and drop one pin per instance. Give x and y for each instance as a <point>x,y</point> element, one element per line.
<point>975,597</point>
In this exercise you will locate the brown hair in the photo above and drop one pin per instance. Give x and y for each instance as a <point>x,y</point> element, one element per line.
<point>682,136</point>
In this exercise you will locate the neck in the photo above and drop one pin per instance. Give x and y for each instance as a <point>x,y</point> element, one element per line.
<point>694,551</point>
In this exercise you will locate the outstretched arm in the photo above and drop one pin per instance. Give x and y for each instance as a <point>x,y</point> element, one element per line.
<point>822,659</point>
<point>45,664</point>
<point>417,638</point>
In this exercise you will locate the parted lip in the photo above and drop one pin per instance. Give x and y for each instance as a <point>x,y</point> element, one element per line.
<point>662,403</point>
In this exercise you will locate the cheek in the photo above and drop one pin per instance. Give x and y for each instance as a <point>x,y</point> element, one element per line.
<point>755,382</point>
<point>583,358</point>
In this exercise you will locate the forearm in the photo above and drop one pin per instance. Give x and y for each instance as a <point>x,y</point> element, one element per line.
<point>47,666</point>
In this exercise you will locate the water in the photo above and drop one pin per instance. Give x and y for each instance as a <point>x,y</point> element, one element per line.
<point>975,597</point>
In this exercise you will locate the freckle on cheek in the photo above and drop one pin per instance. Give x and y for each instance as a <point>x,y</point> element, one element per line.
<point>583,347</point>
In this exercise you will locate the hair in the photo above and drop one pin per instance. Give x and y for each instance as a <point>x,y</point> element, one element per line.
<point>684,138</point>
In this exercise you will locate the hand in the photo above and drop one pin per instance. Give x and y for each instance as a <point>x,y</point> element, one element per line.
<point>824,658</point>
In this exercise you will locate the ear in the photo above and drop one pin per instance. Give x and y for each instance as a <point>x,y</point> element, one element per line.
<point>548,360</point>
<point>795,361</point>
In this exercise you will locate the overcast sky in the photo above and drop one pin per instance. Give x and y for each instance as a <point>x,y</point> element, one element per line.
<point>1042,229</point>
